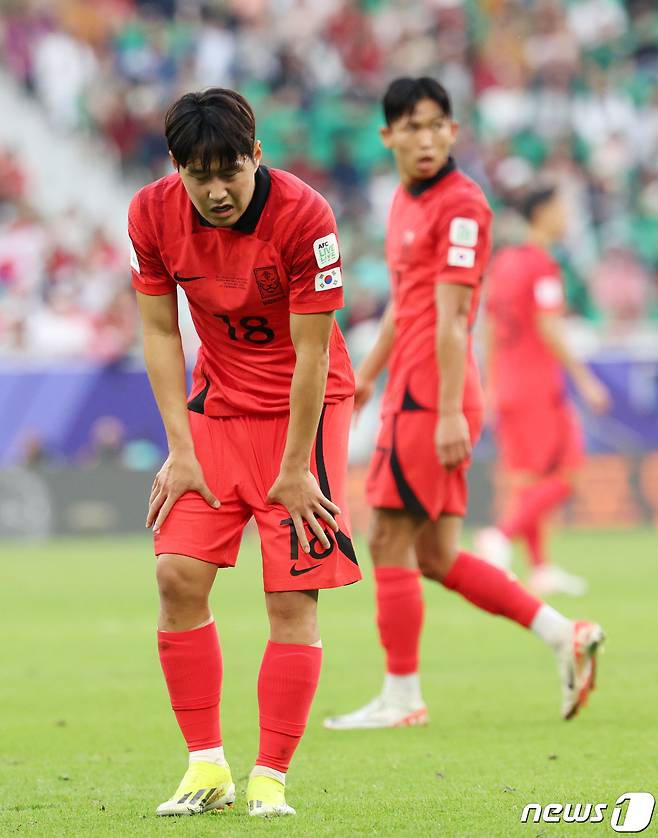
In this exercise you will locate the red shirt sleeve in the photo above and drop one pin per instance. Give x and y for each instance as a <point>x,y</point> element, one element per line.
<point>313,262</point>
<point>547,289</point>
<point>463,243</point>
<point>149,274</point>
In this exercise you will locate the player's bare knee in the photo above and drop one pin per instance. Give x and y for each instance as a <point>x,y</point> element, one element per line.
<point>293,616</point>
<point>435,564</point>
<point>426,568</point>
<point>176,585</point>
<point>377,544</point>
<point>288,606</point>
<point>388,539</point>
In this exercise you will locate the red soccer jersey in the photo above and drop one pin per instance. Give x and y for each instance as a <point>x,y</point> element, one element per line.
<point>438,232</point>
<point>242,283</point>
<point>522,282</point>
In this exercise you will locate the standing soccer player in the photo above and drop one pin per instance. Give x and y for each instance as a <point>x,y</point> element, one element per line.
<point>538,432</point>
<point>263,432</point>
<point>438,244</point>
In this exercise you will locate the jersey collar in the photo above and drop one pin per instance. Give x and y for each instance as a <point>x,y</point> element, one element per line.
<point>251,216</point>
<point>423,185</point>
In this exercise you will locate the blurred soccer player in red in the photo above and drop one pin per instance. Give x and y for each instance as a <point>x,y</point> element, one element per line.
<point>263,432</point>
<point>538,432</point>
<point>438,244</point>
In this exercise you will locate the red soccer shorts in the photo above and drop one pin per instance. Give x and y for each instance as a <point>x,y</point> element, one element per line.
<point>240,457</point>
<point>405,472</point>
<point>540,438</point>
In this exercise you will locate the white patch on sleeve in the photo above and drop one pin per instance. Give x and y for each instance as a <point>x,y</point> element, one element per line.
<point>326,250</point>
<point>326,280</point>
<point>548,292</point>
<point>134,261</point>
<point>461,257</point>
<point>464,232</point>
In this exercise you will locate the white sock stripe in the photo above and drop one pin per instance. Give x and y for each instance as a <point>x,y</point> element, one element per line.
<point>214,755</point>
<point>551,626</point>
<point>266,771</point>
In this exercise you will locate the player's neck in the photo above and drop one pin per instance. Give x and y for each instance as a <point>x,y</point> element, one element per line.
<point>409,182</point>
<point>539,238</point>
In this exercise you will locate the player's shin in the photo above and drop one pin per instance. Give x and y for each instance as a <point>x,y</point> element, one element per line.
<point>535,502</point>
<point>192,666</point>
<point>400,613</point>
<point>287,682</point>
<point>491,589</point>
<point>535,539</point>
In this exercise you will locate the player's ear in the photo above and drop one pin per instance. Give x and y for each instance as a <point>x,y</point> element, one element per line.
<point>454,130</point>
<point>258,153</point>
<point>385,134</point>
<point>174,162</point>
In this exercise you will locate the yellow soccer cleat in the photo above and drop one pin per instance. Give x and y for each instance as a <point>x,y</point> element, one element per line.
<point>266,798</point>
<point>205,786</point>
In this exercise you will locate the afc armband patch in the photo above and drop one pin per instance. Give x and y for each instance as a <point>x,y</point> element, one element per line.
<point>326,280</point>
<point>463,232</point>
<point>326,250</point>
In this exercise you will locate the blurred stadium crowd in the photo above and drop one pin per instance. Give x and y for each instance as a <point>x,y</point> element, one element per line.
<point>564,88</point>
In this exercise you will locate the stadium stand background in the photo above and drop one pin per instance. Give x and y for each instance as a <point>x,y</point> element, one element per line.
<point>550,87</point>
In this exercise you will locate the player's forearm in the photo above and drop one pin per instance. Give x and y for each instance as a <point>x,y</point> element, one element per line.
<point>307,390</point>
<point>165,364</point>
<point>551,328</point>
<point>451,353</point>
<point>377,359</point>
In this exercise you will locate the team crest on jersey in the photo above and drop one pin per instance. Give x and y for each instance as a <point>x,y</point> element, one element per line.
<point>463,232</point>
<point>326,250</point>
<point>269,284</point>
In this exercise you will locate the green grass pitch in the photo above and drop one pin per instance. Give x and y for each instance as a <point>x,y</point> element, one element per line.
<point>89,747</point>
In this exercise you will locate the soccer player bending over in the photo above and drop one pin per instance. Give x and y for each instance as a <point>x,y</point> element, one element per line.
<point>263,432</point>
<point>438,244</point>
<point>538,432</point>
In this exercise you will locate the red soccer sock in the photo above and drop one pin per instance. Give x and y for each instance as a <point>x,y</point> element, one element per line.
<point>287,681</point>
<point>492,589</point>
<point>534,541</point>
<point>533,503</point>
<point>400,611</point>
<point>192,666</point>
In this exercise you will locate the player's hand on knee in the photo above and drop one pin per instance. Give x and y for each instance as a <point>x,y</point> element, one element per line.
<point>302,497</point>
<point>177,476</point>
<point>453,440</point>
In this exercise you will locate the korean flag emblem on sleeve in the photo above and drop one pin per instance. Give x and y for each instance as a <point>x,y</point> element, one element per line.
<point>326,280</point>
<point>461,257</point>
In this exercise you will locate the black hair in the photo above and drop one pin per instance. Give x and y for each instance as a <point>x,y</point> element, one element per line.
<point>214,126</point>
<point>535,198</point>
<point>405,93</point>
